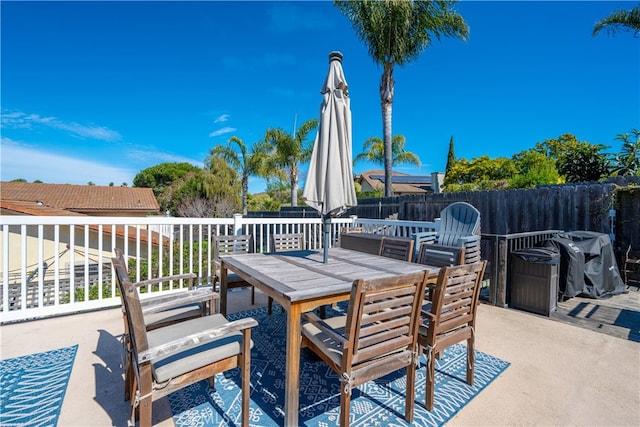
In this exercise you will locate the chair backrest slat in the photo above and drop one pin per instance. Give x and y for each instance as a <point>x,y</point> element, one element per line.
<point>397,248</point>
<point>287,242</point>
<point>229,244</point>
<point>441,256</point>
<point>455,300</point>
<point>383,316</point>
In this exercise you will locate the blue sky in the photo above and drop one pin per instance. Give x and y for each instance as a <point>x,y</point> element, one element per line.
<point>98,91</point>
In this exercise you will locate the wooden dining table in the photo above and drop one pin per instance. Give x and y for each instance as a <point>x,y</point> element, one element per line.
<point>300,282</point>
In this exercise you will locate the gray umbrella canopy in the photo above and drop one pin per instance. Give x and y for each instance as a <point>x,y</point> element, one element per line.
<point>329,186</point>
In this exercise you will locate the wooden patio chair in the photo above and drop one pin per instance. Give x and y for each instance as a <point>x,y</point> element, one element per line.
<point>163,310</point>
<point>173,357</point>
<point>451,319</point>
<point>227,245</point>
<point>397,248</point>
<point>376,337</point>
<point>287,242</point>
<point>440,256</point>
<point>459,226</point>
<point>284,242</point>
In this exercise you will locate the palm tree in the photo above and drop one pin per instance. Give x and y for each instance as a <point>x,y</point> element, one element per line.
<point>240,158</point>
<point>627,162</point>
<point>396,32</point>
<point>627,20</point>
<point>286,151</point>
<point>373,151</point>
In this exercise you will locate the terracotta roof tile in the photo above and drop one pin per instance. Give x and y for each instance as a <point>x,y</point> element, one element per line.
<point>79,198</point>
<point>18,207</point>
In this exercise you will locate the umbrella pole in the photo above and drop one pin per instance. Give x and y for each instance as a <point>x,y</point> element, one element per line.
<point>326,220</point>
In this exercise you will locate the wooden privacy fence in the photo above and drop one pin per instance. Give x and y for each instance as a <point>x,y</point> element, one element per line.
<point>516,219</point>
<point>562,207</point>
<point>612,208</point>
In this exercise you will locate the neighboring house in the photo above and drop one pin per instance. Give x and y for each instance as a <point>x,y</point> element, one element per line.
<point>23,198</point>
<point>35,199</point>
<point>401,183</point>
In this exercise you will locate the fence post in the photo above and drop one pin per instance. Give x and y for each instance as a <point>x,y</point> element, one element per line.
<point>237,223</point>
<point>501,279</point>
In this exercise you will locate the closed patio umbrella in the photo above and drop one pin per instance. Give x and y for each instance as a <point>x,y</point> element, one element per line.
<point>329,186</point>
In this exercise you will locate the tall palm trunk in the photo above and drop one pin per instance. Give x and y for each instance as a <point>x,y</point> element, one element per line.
<point>245,191</point>
<point>294,185</point>
<point>386,100</point>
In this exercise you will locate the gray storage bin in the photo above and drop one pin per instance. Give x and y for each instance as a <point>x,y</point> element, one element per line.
<point>534,280</point>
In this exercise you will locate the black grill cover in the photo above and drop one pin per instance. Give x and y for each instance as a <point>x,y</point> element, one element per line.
<point>587,265</point>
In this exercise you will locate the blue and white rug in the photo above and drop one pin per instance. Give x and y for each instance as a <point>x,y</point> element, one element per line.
<point>32,387</point>
<point>377,403</point>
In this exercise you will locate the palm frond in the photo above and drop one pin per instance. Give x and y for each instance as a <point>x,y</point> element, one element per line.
<point>621,20</point>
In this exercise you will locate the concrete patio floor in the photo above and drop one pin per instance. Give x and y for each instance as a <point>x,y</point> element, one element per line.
<point>560,373</point>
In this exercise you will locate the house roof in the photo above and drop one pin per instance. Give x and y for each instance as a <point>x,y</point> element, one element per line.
<point>66,199</point>
<point>401,183</point>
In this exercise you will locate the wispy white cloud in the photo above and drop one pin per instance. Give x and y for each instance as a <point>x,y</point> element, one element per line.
<point>222,131</point>
<point>26,162</point>
<point>222,118</point>
<point>17,119</point>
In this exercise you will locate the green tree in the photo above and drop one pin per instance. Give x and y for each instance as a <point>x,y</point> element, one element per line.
<point>626,20</point>
<point>533,168</point>
<point>249,162</point>
<point>373,151</point>
<point>286,152</point>
<point>627,161</point>
<point>396,33</point>
<point>451,157</point>
<point>482,173</point>
<point>212,192</point>
<point>262,202</point>
<point>161,176</point>
<point>576,161</point>
<point>555,148</point>
<point>585,163</point>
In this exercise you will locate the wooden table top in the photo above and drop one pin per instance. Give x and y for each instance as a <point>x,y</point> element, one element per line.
<point>301,275</point>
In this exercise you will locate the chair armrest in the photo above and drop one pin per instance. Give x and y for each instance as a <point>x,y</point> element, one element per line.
<point>424,236</point>
<point>195,339</point>
<point>188,276</point>
<point>326,329</point>
<point>469,241</point>
<point>165,302</point>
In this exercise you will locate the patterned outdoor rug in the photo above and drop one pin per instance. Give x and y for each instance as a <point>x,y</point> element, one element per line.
<point>32,387</point>
<point>379,403</point>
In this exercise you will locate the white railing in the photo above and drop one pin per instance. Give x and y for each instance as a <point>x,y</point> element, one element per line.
<point>393,227</point>
<point>61,265</point>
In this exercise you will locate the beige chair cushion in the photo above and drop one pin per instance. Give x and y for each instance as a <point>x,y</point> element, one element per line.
<point>195,357</point>
<point>322,340</point>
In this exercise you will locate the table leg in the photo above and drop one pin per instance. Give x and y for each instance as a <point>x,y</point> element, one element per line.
<point>292,387</point>
<point>223,289</point>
